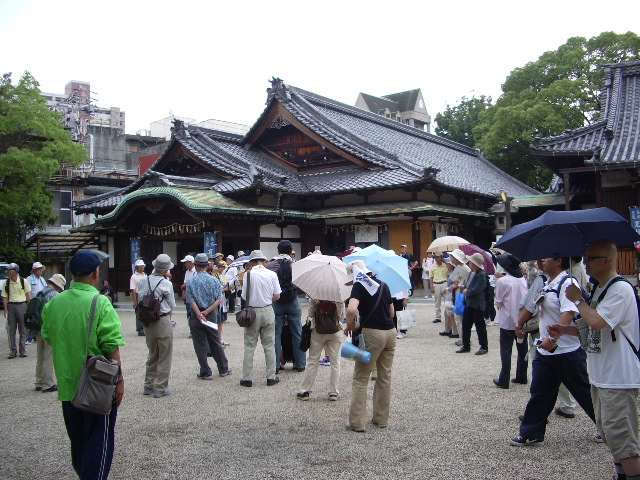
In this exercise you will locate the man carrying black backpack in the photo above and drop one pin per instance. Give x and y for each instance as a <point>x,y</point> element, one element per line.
<point>287,306</point>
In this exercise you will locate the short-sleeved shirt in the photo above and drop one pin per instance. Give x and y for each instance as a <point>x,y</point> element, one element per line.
<point>613,364</point>
<point>65,321</point>
<point>409,258</point>
<point>16,292</point>
<point>552,308</point>
<point>37,283</point>
<point>380,318</point>
<point>264,285</point>
<point>162,288</point>
<point>204,290</point>
<point>439,273</point>
<point>135,279</point>
<point>509,293</point>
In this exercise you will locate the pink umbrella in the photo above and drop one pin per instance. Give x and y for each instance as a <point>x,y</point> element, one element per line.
<point>489,268</point>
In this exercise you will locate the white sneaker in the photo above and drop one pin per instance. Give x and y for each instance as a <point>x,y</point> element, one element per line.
<point>400,335</point>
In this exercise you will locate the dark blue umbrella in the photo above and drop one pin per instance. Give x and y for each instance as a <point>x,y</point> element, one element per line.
<point>566,234</point>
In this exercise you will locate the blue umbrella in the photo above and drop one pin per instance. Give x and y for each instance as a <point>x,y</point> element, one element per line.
<point>566,234</point>
<point>392,269</point>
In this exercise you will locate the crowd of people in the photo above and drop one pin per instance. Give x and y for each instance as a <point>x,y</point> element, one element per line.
<point>581,315</point>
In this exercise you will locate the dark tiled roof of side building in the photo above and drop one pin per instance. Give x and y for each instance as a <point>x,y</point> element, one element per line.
<point>613,139</point>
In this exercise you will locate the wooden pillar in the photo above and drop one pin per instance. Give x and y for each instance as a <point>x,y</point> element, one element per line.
<point>567,191</point>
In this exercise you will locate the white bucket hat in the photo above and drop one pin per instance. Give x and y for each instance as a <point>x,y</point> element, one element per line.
<point>459,255</point>
<point>477,259</point>
<point>37,265</point>
<point>58,280</point>
<point>358,263</point>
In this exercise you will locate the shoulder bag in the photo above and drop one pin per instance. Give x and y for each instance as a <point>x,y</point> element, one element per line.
<point>247,315</point>
<point>97,384</point>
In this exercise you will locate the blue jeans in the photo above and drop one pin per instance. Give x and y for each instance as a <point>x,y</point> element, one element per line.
<point>548,372</point>
<point>294,314</point>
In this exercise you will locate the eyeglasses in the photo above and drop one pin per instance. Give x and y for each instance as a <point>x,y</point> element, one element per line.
<point>587,258</point>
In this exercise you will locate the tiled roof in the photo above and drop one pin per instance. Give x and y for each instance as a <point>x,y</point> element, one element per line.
<point>406,100</point>
<point>380,105</point>
<point>201,201</point>
<point>397,155</point>
<point>614,138</point>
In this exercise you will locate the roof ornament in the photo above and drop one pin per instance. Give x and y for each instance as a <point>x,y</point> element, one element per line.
<point>429,172</point>
<point>254,175</point>
<point>278,88</point>
<point>179,128</point>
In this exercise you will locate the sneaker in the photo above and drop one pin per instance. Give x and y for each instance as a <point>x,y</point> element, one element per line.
<point>526,442</point>
<point>598,438</point>
<point>272,381</point>
<point>225,344</point>
<point>482,351</point>
<point>325,362</point>
<point>437,320</point>
<point>304,396</point>
<point>166,393</point>
<point>333,397</point>
<point>458,343</point>
<point>228,372</point>
<point>28,342</point>
<point>205,377</point>
<point>400,335</point>
<point>174,323</point>
<point>147,391</point>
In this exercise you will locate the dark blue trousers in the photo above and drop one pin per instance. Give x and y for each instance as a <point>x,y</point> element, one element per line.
<point>507,337</point>
<point>548,372</point>
<point>92,440</point>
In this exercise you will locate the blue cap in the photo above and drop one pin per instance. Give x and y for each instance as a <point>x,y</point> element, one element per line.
<point>84,262</point>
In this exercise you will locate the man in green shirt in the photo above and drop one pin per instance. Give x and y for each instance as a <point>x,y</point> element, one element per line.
<point>65,322</point>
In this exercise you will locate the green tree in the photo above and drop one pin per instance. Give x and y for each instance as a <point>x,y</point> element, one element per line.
<point>33,145</point>
<point>558,91</point>
<point>457,123</point>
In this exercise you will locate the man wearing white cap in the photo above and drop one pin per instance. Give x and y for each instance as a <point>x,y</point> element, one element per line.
<point>16,293</point>
<point>189,273</point>
<point>45,379</point>
<point>37,282</point>
<point>133,285</point>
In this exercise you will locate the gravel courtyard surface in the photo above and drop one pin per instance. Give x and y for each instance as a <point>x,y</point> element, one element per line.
<point>448,421</point>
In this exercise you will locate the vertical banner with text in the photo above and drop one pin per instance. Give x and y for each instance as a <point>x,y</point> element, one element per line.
<point>634,215</point>
<point>135,252</point>
<point>210,243</point>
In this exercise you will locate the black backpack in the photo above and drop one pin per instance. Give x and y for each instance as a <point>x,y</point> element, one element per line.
<point>149,305</point>
<point>33,315</point>
<point>635,293</point>
<point>289,290</point>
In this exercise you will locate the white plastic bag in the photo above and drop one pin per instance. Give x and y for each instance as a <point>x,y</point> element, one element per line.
<point>406,319</point>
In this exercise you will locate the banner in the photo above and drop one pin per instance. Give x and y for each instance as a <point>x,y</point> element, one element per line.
<point>135,252</point>
<point>211,243</point>
<point>634,215</point>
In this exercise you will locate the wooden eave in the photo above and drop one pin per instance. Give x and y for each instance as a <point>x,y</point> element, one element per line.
<point>179,149</point>
<point>276,109</point>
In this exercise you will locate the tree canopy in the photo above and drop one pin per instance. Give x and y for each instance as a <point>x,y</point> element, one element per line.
<point>558,91</point>
<point>457,123</point>
<point>33,145</point>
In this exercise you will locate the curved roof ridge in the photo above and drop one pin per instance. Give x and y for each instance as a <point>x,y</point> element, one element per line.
<point>569,133</point>
<point>387,122</point>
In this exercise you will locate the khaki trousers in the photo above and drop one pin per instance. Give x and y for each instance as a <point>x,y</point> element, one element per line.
<point>450,323</point>
<point>382,346</point>
<point>333,342</point>
<point>15,321</point>
<point>439,297</point>
<point>44,364</point>
<point>159,337</point>
<point>264,328</point>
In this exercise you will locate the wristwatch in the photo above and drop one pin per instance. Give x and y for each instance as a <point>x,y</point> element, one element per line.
<point>578,302</point>
<point>553,340</point>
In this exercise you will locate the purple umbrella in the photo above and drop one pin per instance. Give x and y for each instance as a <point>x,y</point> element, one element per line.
<point>489,268</point>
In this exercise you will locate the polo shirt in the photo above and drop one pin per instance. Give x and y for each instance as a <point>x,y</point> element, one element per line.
<point>439,273</point>
<point>135,279</point>
<point>264,285</point>
<point>65,320</point>
<point>16,292</point>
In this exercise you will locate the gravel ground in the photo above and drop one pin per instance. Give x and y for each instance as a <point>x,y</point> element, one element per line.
<point>448,421</point>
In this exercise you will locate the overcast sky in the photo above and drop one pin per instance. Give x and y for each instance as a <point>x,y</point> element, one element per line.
<point>213,60</point>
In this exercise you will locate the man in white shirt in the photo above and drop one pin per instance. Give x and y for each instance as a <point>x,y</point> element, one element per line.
<point>36,280</point>
<point>263,288</point>
<point>189,273</point>
<point>614,368</point>
<point>557,361</point>
<point>133,286</point>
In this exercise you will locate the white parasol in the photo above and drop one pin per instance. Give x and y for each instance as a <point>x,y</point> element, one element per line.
<point>446,244</point>
<point>322,277</point>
